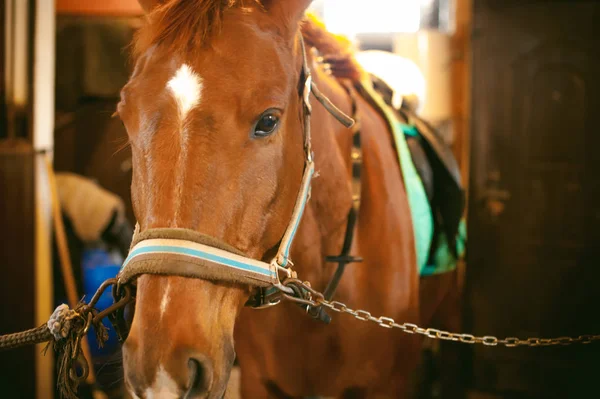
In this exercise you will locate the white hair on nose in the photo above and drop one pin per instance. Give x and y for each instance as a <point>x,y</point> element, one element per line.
<point>165,299</point>
<point>164,387</point>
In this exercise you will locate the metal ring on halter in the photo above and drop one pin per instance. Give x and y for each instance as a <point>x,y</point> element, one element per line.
<point>287,290</point>
<point>278,284</point>
<point>286,270</point>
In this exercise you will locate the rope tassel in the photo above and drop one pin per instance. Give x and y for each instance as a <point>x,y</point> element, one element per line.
<point>69,328</point>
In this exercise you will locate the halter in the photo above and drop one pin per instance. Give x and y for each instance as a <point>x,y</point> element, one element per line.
<point>187,253</point>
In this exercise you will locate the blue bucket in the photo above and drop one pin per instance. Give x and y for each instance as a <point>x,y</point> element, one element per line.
<point>97,266</point>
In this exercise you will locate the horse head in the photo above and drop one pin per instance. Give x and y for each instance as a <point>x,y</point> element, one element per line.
<point>214,116</point>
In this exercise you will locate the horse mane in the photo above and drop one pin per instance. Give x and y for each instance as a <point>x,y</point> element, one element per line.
<point>336,51</point>
<point>181,24</point>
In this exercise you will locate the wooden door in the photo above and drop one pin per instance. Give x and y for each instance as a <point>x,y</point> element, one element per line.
<point>534,249</point>
<point>2,71</point>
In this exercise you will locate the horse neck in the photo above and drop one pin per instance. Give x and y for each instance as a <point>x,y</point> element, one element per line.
<point>324,225</point>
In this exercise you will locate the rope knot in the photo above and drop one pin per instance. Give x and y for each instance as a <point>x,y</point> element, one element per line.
<point>60,322</point>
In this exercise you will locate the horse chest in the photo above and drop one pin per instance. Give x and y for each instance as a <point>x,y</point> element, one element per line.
<point>302,356</point>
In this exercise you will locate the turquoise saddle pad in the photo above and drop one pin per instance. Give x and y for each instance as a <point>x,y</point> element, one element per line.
<point>443,259</point>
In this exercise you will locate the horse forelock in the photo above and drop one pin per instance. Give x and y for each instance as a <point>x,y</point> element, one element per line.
<point>181,23</point>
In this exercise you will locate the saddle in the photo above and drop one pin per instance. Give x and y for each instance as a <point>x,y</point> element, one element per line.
<point>439,173</point>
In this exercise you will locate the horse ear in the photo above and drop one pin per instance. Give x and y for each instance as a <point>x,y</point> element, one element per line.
<point>148,5</point>
<point>290,12</point>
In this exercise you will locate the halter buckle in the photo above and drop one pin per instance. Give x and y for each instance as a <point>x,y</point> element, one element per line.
<point>261,299</point>
<point>288,272</point>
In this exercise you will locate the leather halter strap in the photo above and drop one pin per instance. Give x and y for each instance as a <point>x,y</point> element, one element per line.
<point>186,253</point>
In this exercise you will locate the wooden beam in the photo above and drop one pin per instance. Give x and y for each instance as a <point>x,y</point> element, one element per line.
<point>461,97</point>
<point>42,138</point>
<point>125,8</point>
<point>461,79</point>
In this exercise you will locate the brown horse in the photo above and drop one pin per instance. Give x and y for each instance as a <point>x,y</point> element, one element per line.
<point>214,118</point>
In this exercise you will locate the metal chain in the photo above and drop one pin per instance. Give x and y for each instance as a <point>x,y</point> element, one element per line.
<point>410,328</point>
<point>433,333</point>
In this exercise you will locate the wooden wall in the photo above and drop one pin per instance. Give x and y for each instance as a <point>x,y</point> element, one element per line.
<point>535,194</point>
<point>2,66</point>
<point>97,7</point>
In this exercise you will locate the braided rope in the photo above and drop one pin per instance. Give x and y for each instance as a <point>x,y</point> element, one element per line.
<point>30,337</point>
<point>58,327</point>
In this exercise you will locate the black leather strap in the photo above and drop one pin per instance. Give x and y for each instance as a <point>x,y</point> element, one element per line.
<point>344,258</point>
<point>356,158</point>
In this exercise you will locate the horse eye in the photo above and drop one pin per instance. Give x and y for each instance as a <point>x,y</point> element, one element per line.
<point>266,125</point>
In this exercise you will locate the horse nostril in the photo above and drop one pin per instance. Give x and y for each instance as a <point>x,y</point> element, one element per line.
<point>200,377</point>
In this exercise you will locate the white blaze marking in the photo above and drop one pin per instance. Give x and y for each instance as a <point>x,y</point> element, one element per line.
<point>163,388</point>
<point>165,299</point>
<point>186,87</point>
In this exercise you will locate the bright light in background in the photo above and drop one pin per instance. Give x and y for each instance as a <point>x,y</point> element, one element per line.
<point>401,74</point>
<point>350,17</point>
<point>418,35</point>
